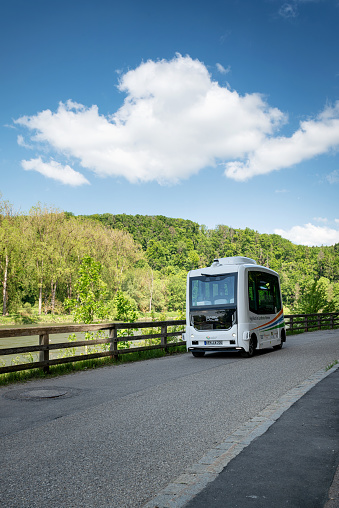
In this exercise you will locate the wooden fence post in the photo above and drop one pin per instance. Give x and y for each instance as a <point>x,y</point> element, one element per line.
<point>164,337</point>
<point>44,354</point>
<point>113,338</point>
<point>306,323</point>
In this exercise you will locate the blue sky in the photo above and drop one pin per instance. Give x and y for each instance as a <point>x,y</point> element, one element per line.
<point>222,112</point>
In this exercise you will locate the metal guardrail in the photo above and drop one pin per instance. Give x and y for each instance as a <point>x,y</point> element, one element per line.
<point>112,342</point>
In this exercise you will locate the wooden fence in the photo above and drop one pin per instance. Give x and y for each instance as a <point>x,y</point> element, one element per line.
<point>298,323</point>
<point>113,342</point>
<point>295,323</point>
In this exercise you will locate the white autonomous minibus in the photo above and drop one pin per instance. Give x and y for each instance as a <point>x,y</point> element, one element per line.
<point>233,305</point>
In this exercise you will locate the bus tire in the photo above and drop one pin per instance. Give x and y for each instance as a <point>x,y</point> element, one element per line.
<point>251,349</point>
<point>279,346</point>
<point>198,354</point>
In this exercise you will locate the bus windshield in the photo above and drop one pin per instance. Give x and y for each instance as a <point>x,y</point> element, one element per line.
<point>213,291</point>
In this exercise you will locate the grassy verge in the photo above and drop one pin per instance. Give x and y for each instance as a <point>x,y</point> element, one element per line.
<point>67,368</point>
<point>331,365</point>
<point>34,319</point>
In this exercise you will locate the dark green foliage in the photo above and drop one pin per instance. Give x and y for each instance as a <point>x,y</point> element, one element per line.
<point>173,245</point>
<point>166,241</point>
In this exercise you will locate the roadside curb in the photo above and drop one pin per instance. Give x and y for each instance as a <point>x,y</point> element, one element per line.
<point>197,476</point>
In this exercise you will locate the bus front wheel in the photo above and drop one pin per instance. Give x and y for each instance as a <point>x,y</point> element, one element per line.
<point>278,346</point>
<point>251,349</point>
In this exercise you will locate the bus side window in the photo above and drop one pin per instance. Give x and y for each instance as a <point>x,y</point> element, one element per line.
<point>263,293</point>
<point>277,296</point>
<point>265,296</point>
<point>252,296</point>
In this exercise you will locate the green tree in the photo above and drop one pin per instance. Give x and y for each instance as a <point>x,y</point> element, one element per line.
<point>91,293</point>
<point>12,259</point>
<point>125,308</point>
<point>47,242</point>
<point>315,297</point>
<point>176,287</point>
<point>335,297</point>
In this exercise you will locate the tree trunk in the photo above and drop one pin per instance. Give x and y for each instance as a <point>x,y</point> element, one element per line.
<point>69,287</point>
<point>53,291</point>
<point>40,286</point>
<point>40,298</point>
<point>151,291</point>
<point>46,304</point>
<point>4,291</point>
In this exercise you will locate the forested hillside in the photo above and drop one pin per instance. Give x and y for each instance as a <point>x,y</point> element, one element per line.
<point>174,245</point>
<point>145,257</point>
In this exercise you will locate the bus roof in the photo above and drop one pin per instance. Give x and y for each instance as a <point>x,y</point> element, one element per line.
<point>236,260</point>
<point>228,265</point>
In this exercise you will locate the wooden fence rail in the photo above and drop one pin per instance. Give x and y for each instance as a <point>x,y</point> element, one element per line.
<point>112,341</point>
<point>298,323</point>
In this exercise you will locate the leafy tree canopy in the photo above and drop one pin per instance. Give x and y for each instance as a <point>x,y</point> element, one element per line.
<point>136,263</point>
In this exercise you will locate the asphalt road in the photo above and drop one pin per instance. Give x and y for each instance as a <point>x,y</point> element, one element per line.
<point>116,436</point>
<point>291,464</point>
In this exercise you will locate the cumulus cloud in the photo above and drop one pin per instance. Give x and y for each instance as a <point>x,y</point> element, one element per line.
<point>310,235</point>
<point>56,171</point>
<point>314,137</point>
<point>175,120</point>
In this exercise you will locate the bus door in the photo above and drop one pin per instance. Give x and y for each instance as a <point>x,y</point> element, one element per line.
<point>265,306</point>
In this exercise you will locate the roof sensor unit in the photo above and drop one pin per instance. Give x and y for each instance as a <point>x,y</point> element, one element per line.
<point>236,260</point>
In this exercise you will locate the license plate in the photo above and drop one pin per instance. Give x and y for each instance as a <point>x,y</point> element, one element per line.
<point>213,342</point>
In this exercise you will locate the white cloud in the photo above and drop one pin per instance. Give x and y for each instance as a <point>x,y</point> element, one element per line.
<point>314,137</point>
<point>175,121</point>
<point>21,142</point>
<point>310,235</point>
<point>56,171</point>
<point>222,69</point>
